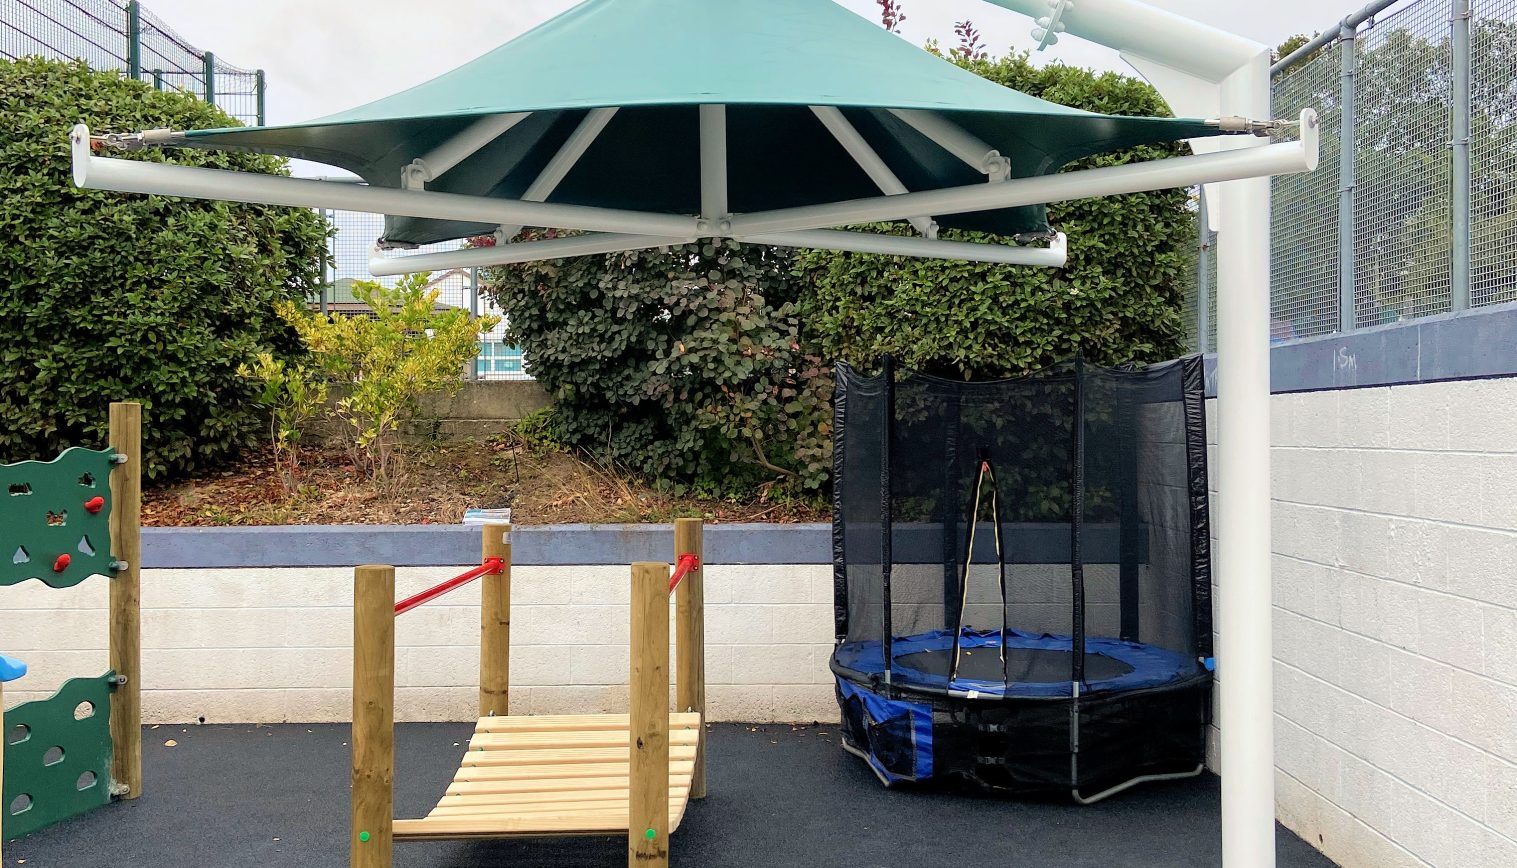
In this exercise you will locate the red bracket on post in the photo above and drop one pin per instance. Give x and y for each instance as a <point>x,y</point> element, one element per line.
<point>687,564</point>
<point>488,568</point>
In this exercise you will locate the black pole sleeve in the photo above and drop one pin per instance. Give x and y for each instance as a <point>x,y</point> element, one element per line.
<point>887,514</point>
<point>948,513</point>
<point>841,377</point>
<point>1194,394</point>
<point>1130,530</point>
<point>1077,522</point>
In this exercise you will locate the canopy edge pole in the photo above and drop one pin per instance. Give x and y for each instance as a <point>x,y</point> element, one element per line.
<point>131,176</point>
<point>1229,165</point>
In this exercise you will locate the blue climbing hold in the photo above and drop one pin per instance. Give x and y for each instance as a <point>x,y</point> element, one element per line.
<point>10,669</point>
<point>1210,663</point>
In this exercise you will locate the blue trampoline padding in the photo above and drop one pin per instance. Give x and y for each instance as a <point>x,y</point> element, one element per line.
<point>907,722</point>
<point>1150,666</point>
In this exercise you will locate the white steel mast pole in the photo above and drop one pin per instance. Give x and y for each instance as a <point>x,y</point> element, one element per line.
<point>1245,614</point>
<point>1200,69</point>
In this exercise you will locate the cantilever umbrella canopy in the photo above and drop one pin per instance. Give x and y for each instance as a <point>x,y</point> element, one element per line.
<point>668,120</point>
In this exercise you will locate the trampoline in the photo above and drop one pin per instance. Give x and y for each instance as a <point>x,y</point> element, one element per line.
<point>1031,665</point>
<point>1022,577</point>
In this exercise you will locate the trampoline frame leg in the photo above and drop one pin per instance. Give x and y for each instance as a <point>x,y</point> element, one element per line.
<point>1141,779</point>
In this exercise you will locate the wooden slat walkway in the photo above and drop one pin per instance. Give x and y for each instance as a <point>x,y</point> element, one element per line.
<point>551,775</point>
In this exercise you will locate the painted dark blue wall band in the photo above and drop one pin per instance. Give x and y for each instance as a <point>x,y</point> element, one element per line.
<point>1469,345</point>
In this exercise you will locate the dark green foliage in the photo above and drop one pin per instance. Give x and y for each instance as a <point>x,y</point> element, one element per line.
<point>1119,299</point>
<point>683,364</point>
<point>106,296</point>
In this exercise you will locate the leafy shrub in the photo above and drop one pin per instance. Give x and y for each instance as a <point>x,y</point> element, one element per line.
<point>107,296</point>
<point>1118,300</point>
<point>684,364</point>
<point>295,397</point>
<point>385,363</point>
<point>535,431</point>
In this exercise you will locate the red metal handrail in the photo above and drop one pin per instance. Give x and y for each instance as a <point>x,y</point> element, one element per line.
<point>687,564</point>
<point>491,566</point>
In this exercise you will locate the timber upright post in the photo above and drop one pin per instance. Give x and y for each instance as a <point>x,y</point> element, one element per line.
<point>125,600</point>
<point>373,717</point>
<point>648,744</point>
<point>495,625</point>
<point>690,640</point>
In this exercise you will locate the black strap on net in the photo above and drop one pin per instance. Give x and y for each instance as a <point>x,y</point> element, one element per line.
<point>987,472</point>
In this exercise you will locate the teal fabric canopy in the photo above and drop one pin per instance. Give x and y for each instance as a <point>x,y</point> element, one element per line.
<point>657,61</point>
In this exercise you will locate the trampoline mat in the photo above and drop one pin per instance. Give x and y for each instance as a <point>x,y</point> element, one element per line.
<point>1036,665</point>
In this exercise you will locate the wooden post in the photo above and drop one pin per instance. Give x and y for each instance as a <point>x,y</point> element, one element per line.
<point>126,601</point>
<point>648,824</point>
<point>690,641</point>
<point>373,716</point>
<point>495,626</point>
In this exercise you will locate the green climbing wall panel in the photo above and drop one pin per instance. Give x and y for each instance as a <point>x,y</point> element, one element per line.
<point>55,518</point>
<point>57,756</point>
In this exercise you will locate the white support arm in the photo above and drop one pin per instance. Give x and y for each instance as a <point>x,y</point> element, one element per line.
<point>1277,159</point>
<point>436,163</point>
<point>1053,256</point>
<point>958,141</point>
<point>848,136</point>
<point>525,251</point>
<point>162,179</point>
<point>714,185</point>
<point>559,167</point>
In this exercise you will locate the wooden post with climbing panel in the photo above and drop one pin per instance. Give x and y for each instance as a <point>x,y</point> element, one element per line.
<point>690,640</point>
<point>495,626</point>
<point>125,600</point>
<point>373,717</point>
<point>648,821</point>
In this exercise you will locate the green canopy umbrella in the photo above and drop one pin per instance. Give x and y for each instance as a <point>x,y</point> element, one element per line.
<point>666,120</point>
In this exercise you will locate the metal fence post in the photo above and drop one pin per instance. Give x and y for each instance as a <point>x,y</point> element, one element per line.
<point>474,369</point>
<point>134,40</point>
<point>1459,258</point>
<point>157,79</point>
<point>1203,279</point>
<point>1349,57</point>
<point>261,84</point>
<point>210,77</point>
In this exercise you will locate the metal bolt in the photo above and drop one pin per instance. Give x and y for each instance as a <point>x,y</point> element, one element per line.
<point>118,458</point>
<point>118,566</point>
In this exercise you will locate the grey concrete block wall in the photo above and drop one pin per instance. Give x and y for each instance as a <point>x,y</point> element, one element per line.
<point>1395,581</point>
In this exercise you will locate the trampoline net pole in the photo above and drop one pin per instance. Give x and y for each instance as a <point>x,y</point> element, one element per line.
<point>1077,570</point>
<point>887,512</point>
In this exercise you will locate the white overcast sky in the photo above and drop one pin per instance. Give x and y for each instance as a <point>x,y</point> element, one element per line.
<point>324,56</point>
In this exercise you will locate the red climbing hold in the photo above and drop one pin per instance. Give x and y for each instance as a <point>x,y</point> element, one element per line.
<point>62,563</point>
<point>94,505</point>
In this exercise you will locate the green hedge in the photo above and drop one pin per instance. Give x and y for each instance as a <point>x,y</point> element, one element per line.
<point>682,364</point>
<point>106,296</point>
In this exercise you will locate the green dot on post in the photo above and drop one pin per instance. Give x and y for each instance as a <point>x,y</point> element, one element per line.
<point>650,834</point>
<point>364,837</point>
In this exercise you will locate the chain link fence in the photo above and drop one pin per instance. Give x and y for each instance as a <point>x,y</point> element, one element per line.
<point>1413,210</point>
<point>351,248</point>
<point>120,35</point>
